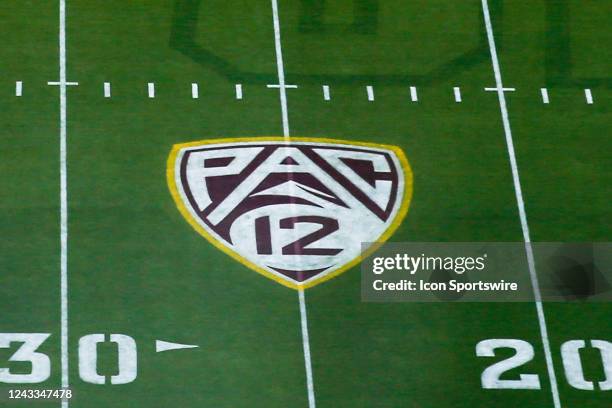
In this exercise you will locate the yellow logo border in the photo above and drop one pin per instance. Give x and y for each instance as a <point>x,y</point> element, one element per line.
<point>399,217</point>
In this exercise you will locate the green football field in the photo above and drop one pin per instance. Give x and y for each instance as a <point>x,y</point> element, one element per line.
<point>98,266</point>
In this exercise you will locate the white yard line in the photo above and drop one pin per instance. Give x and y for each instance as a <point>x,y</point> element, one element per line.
<point>521,205</point>
<point>588,96</point>
<point>457,92</point>
<point>306,347</point>
<point>545,98</point>
<point>280,69</point>
<point>285,122</point>
<point>414,96</point>
<point>63,200</point>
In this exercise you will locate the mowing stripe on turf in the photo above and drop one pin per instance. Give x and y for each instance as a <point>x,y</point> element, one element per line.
<point>285,122</point>
<point>521,204</point>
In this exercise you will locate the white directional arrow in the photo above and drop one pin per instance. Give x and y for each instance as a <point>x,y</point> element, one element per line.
<point>161,345</point>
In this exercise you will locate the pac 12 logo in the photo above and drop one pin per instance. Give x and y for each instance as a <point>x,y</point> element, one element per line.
<point>295,210</point>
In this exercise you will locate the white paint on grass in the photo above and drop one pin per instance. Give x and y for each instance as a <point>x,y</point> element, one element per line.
<point>60,83</point>
<point>370,92</point>
<point>491,378</point>
<point>63,202</point>
<point>521,205</point>
<point>127,359</point>
<point>285,123</point>
<point>280,69</point>
<point>326,94</point>
<point>107,90</point>
<point>588,96</point>
<point>63,85</point>
<point>277,86</point>
<point>151,90</point>
<point>306,348</point>
<point>457,92</point>
<point>572,364</point>
<point>88,359</point>
<point>161,346</point>
<point>545,98</point>
<point>238,91</point>
<point>414,96</point>
<point>18,88</point>
<point>195,92</point>
<point>498,89</point>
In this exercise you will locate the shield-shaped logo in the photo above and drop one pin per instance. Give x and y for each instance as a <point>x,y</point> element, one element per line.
<point>295,210</point>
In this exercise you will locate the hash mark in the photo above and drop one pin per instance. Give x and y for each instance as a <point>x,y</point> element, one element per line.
<point>589,96</point>
<point>238,91</point>
<point>326,94</point>
<point>457,92</point>
<point>414,97</point>
<point>370,92</point>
